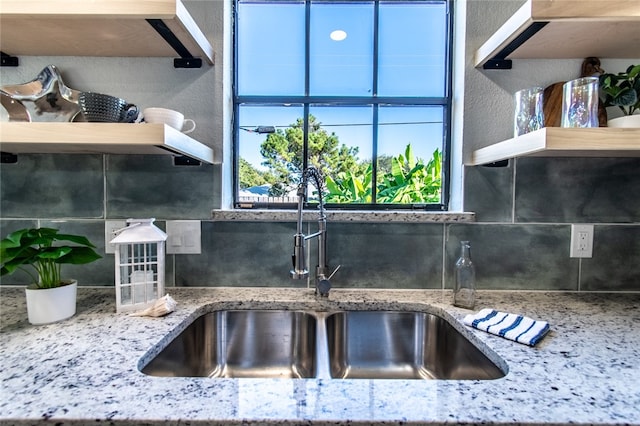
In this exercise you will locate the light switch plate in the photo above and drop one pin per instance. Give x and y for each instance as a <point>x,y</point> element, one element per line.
<point>184,237</point>
<point>110,226</point>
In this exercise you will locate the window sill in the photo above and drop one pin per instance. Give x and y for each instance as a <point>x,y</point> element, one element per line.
<point>344,216</point>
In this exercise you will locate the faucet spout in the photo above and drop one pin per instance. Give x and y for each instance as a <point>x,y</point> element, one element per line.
<point>300,270</point>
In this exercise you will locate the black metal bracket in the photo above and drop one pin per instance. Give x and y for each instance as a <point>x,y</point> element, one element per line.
<point>187,63</point>
<point>500,163</point>
<point>186,60</point>
<point>8,158</point>
<point>183,160</point>
<point>8,60</point>
<point>499,61</point>
<point>498,64</point>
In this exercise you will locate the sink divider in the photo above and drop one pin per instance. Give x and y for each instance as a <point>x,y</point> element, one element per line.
<point>323,370</point>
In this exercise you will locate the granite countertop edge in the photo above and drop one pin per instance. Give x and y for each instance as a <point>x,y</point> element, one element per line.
<point>364,216</point>
<point>86,368</point>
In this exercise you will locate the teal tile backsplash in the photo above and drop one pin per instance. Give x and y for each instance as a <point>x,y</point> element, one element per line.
<point>385,255</point>
<point>590,190</point>
<point>519,242</point>
<point>515,256</point>
<point>151,186</point>
<point>52,186</point>
<point>240,254</point>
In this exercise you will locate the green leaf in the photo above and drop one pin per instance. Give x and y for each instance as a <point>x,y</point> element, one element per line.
<point>79,255</point>
<point>34,248</point>
<point>53,253</point>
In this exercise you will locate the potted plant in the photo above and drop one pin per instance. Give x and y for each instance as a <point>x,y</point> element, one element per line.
<point>49,298</point>
<point>623,91</point>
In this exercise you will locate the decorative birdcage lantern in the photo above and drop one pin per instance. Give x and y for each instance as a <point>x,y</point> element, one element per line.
<point>140,259</point>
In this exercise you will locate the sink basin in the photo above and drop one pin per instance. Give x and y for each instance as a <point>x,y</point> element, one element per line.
<point>402,345</point>
<point>236,343</point>
<point>324,345</point>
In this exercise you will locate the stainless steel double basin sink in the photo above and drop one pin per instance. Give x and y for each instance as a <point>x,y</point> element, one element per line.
<point>326,345</point>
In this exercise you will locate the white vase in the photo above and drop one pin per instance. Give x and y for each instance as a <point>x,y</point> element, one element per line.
<point>47,305</point>
<point>628,121</point>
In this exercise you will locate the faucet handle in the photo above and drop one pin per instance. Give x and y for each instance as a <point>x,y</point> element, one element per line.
<point>323,287</point>
<point>334,272</point>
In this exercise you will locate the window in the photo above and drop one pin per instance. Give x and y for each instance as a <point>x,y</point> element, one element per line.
<point>360,89</point>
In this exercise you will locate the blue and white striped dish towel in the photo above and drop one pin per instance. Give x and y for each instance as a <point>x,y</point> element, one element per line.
<point>514,327</point>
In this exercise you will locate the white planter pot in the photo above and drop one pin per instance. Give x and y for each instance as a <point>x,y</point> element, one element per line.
<point>47,305</point>
<point>628,121</point>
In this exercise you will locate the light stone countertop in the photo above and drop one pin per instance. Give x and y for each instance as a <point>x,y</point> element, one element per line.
<point>364,216</point>
<point>85,370</point>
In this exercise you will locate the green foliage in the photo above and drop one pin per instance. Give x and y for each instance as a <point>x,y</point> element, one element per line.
<point>250,176</point>
<point>411,181</point>
<point>403,179</point>
<point>348,187</point>
<point>622,89</point>
<point>408,181</point>
<point>34,248</point>
<point>282,153</point>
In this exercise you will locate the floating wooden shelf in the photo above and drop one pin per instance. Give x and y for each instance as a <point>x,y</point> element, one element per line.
<point>100,138</point>
<point>550,29</point>
<point>98,28</point>
<point>563,142</point>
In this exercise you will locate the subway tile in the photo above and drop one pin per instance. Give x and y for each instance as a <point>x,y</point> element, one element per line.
<point>377,255</point>
<point>151,186</point>
<point>254,254</point>
<point>515,257</point>
<point>583,190</point>
<point>615,265</point>
<point>52,186</point>
<point>488,192</point>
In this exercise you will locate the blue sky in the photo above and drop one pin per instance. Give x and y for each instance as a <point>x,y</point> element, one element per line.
<point>411,52</point>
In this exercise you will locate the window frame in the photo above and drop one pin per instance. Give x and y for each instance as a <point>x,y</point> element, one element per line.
<point>307,101</point>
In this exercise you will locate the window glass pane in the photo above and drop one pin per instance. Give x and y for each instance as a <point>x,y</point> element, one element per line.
<point>412,49</point>
<point>270,48</point>
<point>340,146</point>
<point>410,141</point>
<point>341,50</point>
<point>269,163</point>
<point>351,116</point>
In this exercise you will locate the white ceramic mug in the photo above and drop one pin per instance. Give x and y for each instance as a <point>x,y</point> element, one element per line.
<point>170,117</point>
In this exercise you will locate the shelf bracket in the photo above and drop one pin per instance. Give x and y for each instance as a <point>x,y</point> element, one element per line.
<point>8,60</point>
<point>183,160</point>
<point>186,59</point>
<point>497,164</point>
<point>8,158</point>
<point>498,64</point>
<point>499,61</point>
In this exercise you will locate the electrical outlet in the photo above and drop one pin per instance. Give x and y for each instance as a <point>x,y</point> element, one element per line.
<point>110,226</point>
<point>184,237</point>
<point>581,241</point>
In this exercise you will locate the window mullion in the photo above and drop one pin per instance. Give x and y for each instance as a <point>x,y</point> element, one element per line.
<point>374,148</point>
<point>307,67</point>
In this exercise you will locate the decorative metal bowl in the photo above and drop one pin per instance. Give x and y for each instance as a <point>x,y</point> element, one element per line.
<point>45,98</point>
<point>97,107</point>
